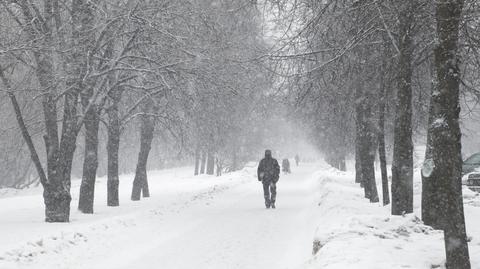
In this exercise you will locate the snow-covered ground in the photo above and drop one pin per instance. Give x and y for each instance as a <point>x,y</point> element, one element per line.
<point>189,222</point>
<point>220,222</point>
<point>353,233</point>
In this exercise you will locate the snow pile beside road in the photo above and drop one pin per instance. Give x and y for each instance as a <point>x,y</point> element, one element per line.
<point>28,242</point>
<point>354,233</point>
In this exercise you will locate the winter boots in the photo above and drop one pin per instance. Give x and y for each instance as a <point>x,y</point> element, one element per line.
<point>269,204</point>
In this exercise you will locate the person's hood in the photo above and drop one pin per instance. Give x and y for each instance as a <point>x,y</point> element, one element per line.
<point>268,154</point>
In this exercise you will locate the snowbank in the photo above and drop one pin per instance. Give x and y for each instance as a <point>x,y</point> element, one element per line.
<point>28,242</point>
<point>354,233</point>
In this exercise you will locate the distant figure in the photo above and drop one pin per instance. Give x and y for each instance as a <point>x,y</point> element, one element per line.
<point>297,159</point>
<point>286,166</point>
<point>268,173</point>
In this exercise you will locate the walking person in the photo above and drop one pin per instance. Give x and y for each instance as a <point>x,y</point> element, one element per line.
<point>286,166</point>
<point>268,173</point>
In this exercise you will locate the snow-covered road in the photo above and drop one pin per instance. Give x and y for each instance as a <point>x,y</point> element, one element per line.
<point>234,230</point>
<point>202,222</point>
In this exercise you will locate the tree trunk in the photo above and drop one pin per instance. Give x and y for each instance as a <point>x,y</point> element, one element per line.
<point>446,135</point>
<point>210,163</point>
<point>113,145</point>
<point>59,152</point>
<point>219,167</point>
<point>367,153</point>
<point>140,182</point>
<point>57,194</point>
<point>343,165</point>
<point>341,133</point>
<point>56,190</point>
<point>83,16</point>
<point>113,131</point>
<point>430,198</point>
<point>23,129</point>
<point>402,166</point>
<point>358,130</point>
<point>382,156</point>
<point>203,162</point>
<point>358,171</point>
<point>197,161</point>
<point>365,144</point>
<point>234,159</point>
<point>90,162</point>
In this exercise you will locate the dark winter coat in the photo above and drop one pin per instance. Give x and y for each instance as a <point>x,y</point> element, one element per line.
<point>268,170</point>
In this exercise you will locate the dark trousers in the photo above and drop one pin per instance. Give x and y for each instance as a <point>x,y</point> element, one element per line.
<point>269,192</point>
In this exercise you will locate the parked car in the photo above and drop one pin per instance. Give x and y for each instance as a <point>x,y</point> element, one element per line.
<point>472,180</point>
<point>471,163</point>
<point>471,172</point>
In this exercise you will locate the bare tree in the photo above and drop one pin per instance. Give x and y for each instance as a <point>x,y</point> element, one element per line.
<point>444,167</point>
<point>402,165</point>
